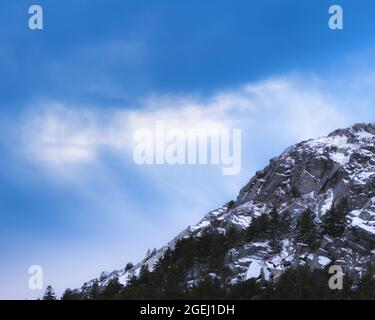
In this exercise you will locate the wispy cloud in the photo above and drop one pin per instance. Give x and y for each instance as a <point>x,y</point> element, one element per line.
<point>59,136</point>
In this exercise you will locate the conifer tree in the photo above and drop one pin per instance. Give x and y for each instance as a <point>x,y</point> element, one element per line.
<point>295,192</point>
<point>334,221</point>
<point>113,288</point>
<point>231,205</point>
<point>67,295</point>
<point>366,287</point>
<point>286,222</point>
<point>233,236</point>
<point>94,291</point>
<point>306,229</point>
<point>71,295</point>
<point>258,227</point>
<point>128,266</point>
<point>274,230</point>
<point>49,294</point>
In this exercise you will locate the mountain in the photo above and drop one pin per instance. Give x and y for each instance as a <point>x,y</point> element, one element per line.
<point>312,206</point>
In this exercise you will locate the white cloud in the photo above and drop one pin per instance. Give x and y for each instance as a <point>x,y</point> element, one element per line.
<point>58,136</point>
<point>299,108</point>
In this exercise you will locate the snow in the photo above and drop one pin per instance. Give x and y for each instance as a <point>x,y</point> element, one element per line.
<point>191,283</point>
<point>364,135</point>
<point>202,224</point>
<point>363,176</point>
<point>368,228</point>
<point>309,195</point>
<point>218,211</point>
<point>289,258</point>
<point>104,274</point>
<point>360,223</point>
<point>221,230</point>
<point>242,221</point>
<point>260,244</point>
<point>244,196</point>
<point>276,260</point>
<point>267,274</point>
<point>344,149</point>
<point>310,256</point>
<point>340,158</point>
<point>254,270</point>
<point>332,141</point>
<point>323,261</point>
<point>124,278</point>
<point>338,147</point>
<point>328,200</point>
<point>245,260</point>
<point>255,208</point>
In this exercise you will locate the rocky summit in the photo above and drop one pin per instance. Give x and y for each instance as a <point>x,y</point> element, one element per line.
<point>305,189</point>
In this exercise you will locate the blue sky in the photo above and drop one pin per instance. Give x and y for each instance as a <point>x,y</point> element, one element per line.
<point>102,68</point>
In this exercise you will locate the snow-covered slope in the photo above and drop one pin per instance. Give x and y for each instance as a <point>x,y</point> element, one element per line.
<point>315,174</point>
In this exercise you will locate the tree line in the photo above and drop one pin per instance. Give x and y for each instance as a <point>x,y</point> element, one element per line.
<point>174,275</point>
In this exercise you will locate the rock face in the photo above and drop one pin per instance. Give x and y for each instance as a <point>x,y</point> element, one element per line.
<point>315,174</point>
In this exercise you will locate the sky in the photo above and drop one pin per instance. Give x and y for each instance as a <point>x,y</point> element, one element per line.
<point>72,200</point>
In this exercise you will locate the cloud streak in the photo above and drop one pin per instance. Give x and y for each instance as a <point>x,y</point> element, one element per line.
<point>59,136</point>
